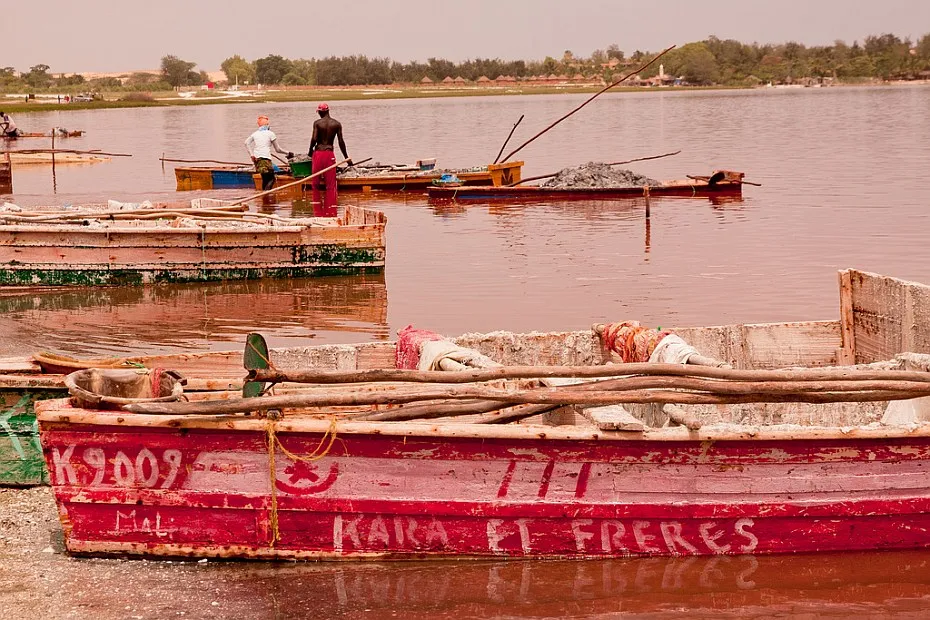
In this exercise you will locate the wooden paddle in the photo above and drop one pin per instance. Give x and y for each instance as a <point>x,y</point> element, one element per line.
<point>255,357</point>
<point>297,182</point>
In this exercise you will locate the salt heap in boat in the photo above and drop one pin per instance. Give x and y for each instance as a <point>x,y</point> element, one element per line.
<point>596,174</point>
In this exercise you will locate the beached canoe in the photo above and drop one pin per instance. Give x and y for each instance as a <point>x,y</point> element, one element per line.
<point>358,179</point>
<point>692,187</point>
<point>322,481</point>
<point>97,251</point>
<point>217,177</point>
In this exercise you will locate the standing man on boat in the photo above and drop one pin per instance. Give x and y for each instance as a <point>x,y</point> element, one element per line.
<point>7,126</point>
<point>325,132</point>
<point>259,145</point>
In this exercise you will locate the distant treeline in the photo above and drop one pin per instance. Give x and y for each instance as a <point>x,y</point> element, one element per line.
<point>709,62</point>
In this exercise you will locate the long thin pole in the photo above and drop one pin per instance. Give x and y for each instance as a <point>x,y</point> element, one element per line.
<point>613,163</point>
<point>504,145</point>
<point>163,159</point>
<point>53,151</point>
<point>298,181</point>
<point>589,100</point>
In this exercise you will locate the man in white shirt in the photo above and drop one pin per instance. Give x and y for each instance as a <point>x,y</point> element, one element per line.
<point>259,145</point>
<point>7,126</point>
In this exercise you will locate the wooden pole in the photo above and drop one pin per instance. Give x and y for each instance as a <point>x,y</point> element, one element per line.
<point>504,145</point>
<point>589,100</point>
<point>613,370</point>
<point>540,396</point>
<point>164,159</point>
<point>298,181</point>
<point>54,150</point>
<point>615,163</point>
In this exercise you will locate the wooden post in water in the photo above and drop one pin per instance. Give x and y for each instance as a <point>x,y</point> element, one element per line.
<point>6,174</point>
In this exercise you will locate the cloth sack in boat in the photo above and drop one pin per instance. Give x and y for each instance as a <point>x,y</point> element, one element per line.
<point>915,410</point>
<point>433,352</point>
<point>108,388</point>
<point>672,350</point>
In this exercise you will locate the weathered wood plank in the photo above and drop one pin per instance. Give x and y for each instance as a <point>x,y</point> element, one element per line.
<point>613,418</point>
<point>890,316</point>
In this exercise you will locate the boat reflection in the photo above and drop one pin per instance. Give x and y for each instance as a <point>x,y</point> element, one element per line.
<point>167,318</point>
<point>840,585</point>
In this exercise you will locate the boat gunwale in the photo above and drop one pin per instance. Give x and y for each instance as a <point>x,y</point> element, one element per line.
<point>59,411</point>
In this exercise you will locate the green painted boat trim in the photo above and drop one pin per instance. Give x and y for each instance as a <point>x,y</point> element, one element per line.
<point>325,261</point>
<point>21,460</point>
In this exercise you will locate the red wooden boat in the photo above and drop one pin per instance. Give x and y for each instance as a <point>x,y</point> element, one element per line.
<point>692,187</point>
<point>319,483</point>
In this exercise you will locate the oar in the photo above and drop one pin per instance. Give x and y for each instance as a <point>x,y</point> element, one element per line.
<point>615,163</point>
<point>297,182</point>
<point>255,357</point>
<point>202,161</point>
<point>510,135</point>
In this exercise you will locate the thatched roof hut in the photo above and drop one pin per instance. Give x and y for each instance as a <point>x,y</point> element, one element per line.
<point>484,79</point>
<point>426,80</point>
<point>448,80</point>
<point>460,80</point>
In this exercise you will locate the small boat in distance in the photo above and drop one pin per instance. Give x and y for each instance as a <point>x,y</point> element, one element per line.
<point>398,179</point>
<point>786,438</point>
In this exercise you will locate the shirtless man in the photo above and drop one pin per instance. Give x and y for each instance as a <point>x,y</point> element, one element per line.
<point>325,132</point>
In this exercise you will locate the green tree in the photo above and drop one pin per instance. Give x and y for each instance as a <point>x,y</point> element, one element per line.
<point>695,63</point>
<point>179,72</point>
<point>238,70</point>
<point>271,69</point>
<point>38,76</point>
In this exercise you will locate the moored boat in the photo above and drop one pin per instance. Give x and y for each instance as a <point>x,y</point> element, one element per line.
<point>693,187</point>
<point>412,180</point>
<point>217,177</point>
<point>325,475</point>
<point>152,246</point>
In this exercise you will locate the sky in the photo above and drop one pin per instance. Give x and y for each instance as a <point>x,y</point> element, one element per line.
<point>124,35</point>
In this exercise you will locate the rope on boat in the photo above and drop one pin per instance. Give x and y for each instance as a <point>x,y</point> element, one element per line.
<point>274,443</point>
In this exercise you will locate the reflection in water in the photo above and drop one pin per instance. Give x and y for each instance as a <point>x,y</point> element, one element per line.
<point>153,319</point>
<point>834,586</point>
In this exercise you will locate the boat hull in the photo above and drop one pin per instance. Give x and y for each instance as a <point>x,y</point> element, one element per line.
<point>74,255</point>
<point>493,175</point>
<point>178,487</point>
<point>528,193</point>
<point>204,178</point>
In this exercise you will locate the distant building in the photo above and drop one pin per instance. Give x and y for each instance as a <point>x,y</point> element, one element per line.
<point>460,80</point>
<point>426,80</point>
<point>484,79</point>
<point>448,80</point>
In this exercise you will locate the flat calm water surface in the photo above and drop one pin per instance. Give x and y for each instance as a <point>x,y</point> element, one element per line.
<point>844,175</point>
<point>845,183</point>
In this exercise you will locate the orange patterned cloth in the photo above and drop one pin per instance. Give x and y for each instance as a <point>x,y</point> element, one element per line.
<point>631,341</point>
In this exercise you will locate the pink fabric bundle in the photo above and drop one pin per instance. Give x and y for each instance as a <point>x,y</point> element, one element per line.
<point>409,341</point>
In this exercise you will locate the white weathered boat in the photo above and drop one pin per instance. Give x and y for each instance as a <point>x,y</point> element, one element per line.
<point>145,246</point>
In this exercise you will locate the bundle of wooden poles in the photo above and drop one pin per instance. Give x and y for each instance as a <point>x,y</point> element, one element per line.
<point>482,396</point>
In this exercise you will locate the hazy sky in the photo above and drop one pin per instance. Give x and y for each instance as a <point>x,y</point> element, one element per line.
<point>118,35</point>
